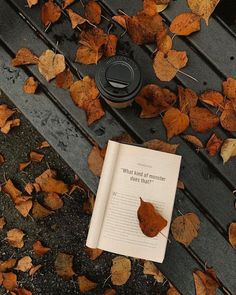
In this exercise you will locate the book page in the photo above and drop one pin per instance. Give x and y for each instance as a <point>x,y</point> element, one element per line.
<point>144,173</point>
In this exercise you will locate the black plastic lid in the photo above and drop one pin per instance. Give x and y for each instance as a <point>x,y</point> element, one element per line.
<point>118,78</point>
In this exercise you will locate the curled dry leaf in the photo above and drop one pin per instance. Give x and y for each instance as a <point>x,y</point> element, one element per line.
<point>172,291</point>
<point>24,264</point>
<point>88,205</point>
<point>50,13</point>
<point>2,160</point>
<point>85,284</point>
<point>2,223</point>
<point>213,144</point>
<point>75,18</point>
<point>110,48</point>
<point>9,281</point>
<point>120,270</point>
<point>36,157</point>
<point>213,98</point>
<point>53,201</point>
<point>175,122</point>
<point>93,12</point>
<point>154,100</point>
<point>23,205</point>
<point>93,253</point>
<point>24,57</point>
<point>185,24</point>
<point>205,282</point>
<point>15,238</point>
<point>159,145</point>
<point>185,228</point>
<point>149,268</point>
<point>202,119</point>
<point>51,64</point>
<point>30,85</point>
<point>32,2</point>
<point>232,234</point>
<point>203,8</point>
<point>11,190</point>
<point>5,114</point>
<point>95,161</point>
<point>39,211</point>
<point>64,265</point>
<point>34,269</point>
<point>5,265</point>
<point>167,65</point>
<point>150,221</point>
<point>187,99</point>
<point>228,116</point>
<point>65,79</point>
<point>66,3</point>
<point>194,140</point>
<point>10,124</point>
<point>23,165</point>
<point>228,149</point>
<point>39,249</point>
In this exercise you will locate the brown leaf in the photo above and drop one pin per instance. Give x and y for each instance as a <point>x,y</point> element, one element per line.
<point>67,3</point>
<point>30,85</point>
<point>93,253</point>
<point>11,190</point>
<point>150,221</point>
<point>50,13</point>
<point>185,24</point>
<point>15,238</point>
<point>149,268</point>
<point>228,117</point>
<point>22,291</point>
<point>213,98</point>
<point>95,161</point>
<point>172,291</point>
<point>88,205</point>
<point>39,249</point>
<point>206,282</point>
<point>175,122</point>
<point>2,160</point>
<point>228,149</point>
<point>187,99</point>
<point>75,18</point>
<point>165,44</point>
<point>34,269</point>
<point>203,8</point>
<point>23,205</point>
<point>159,145</point>
<point>94,111</point>
<point>5,114</point>
<point>120,270</point>
<point>5,265</point>
<point>185,228</point>
<point>37,187</point>
<point>23,165</point>
<point>85,284</point>
<point>9,281</point>
<point>53,201</point>
<point>32,2</point>
<point>194,140</point>
<point>93,12</point>
<point>24,264</point>
<point>2,223</point>
<point>10,124</point>
<point>87,55</point>
<point>36,157</point>
<point>229,87</point>
<point>51,64</point>
<point>202,119</point>
<point>64,265</point>
<point>154,100</point>
<point>121,20</point>
<point>65,79</point>
<point>1,279</point>
<point>180,184</point>
<point>232,234</point>
<point>213,144</point>
<point>44,144</point>
<point>110,292</point>
<point>24,57</point>
<point>29,188</point>
<point>39,211</point>
<point>110,49</point>
<point>167,65</point>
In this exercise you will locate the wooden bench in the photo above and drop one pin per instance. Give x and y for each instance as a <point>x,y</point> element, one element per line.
<point>209,183</point>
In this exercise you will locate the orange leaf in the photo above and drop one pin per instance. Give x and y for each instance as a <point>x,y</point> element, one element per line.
<point>2,223</point>
<point>2,160</point>
<point>150,221</point>
<point>22,291</point>
<point>85,284</point>
<point>93,253</point>
<point>121,20</point>
<point>205,282</point>
<point>5,114</point>
<point>213,144</point>
<point>93,12</point>
<point>202,120</point>
<point>213,98</point>
<point>15,238</point>
<point>23,165</point>
<point>120,270</point>
<point>165,44</point>
<point>65,79</point>
<point>185,24</point>
<point>50,13</point>
<point>5,265</point>
<point>29,188</point>
<point>53,201</point>
<point>64,265</point>
<point>175,122</point>
<point>229,87</point>
<point>24,205</point>
<point>9,124</point>
<point>34,269</point>
<point>9,281</point>
<point>110,292</point>
<point>75,18</point>
<point>67,3</point>
<point>39,211</point>
<point>180,185</point>
<point>172,291</point>
<point>95,161</point>
<point>30,85</point>
<point>11,190</point>
<point>88,205</point>
<point>44,144</point>
<point>232,234</point>
<point>159,145</point>
<point>194,140</point>
<point>228,117</point>
<point>32,2</point>
<point>24,57</point>
<point>24,264</point>
<point>39,249</point>
<point>187,99</point>
<point>110,49</point>
<point>36,157</point>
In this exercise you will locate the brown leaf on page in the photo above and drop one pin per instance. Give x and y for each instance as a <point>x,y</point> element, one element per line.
<point>7,264</point>
<point>53,201</point>
<point>175,122</point>
<point>187,99</point>
<point>185,228</point>
<point>24,57</point>
<point>202,119</point>
<point>11,190</point>
<point>15,238</point>
<point>120,270</point>
<point>5,114</point>
<point>24,264</point>
<point>194,140</point>
<point>205,282</point>
<point>30,85</point>
<point>213,98</point>
<point>66,3</point>
<point>110,48</point>
<point>167,65</point>
<point>121,20</point>
<point>85,284</point>
<point>232,234</point>
<point>50,13</point>
<point>228,117</point>
<point>172,291</point>
<point>95,161</point>
<point>149,268</point>
<point>185,24</point>
<point>2,223</point>
<point>39,211</point>
<point>159,145</point>
<point>228,149</point>
<point>75,18</point>
<point>65,79</point>
<point>64,265</point>
<point>165,44</point>
<point>24,205</point>
<point>10,124</point>
<point>93,12</point>
<point>23,165</point>
<point>93,253</point>
<point>32,2</point>
<point>9,281</point>
<point>88,205</point>
<point>213,144</point>
<point>51,64</point>
<point>39,249</point>
<point>150,221</point>
<point>154,100</point>
<point>34,269</point>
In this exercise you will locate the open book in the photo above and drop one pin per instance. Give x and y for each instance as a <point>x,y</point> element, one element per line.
<point>130,172</point>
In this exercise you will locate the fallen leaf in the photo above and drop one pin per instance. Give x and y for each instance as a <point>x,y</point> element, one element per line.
<point>94,111</point>
<point>167,65</point>
<point>161,7</point>
<point>151,7</point>
<point>53,201</point>
<point>120,270</point>
<point>11,190</point>
<point>202,119</point>
<point>110,292</point>
<point>32,2</point>
<point>228,149</point>
<point>24,264</point>
<point>213,98</point>
<point>213,144</point>
<point>165,44</point>
<point>37,187</point>
<point>30,85</point>
<point>93,12</point>
<point>2,160</point>
<point>93,253</point>
<point>39,249</point>
<point>175,122</point>
<point>65,79</point>
<point>180,185</point>
<point>85,284</point>
<point>9,281</point>
<point>203,8</point>
<point>110,48</point>
<point>95,161</point>
<point>67,3</point>
<point>205,282</point>
<point>159,145</point>
<point>194,140</point>
<point>232,234</point>
<point>39,211</point>
<point>29,188</point>
<point>50,13</point>
<point>2,223</point>
<point>187,99</point>
<point>34,269</point>
<point>10,124</point>
<point>5,114</point>
<point>185,24</point>
<point>51,64</point>
<point>24,205</point>
<point>121,20</point>
<point>228,117</point>
<point>64,265</point>
<point>229,87</point>
<point>173,291</point>
<point>24,57</point>
<point>75,18</point>
<point>7,264</point>
<point>149,268</point>
<point>44,144</point>
<point>22,291</point>
<point>1,279</point>
<point>23,165</point>
<point>154,100</point>
<point>150,221</point>
<point>15,238</point>
<point>36,157</point>
<point>185,228</point>
<point>88,205</point>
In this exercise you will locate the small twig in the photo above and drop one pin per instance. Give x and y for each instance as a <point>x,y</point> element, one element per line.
<point>47,27</point>
<point>188,75</point>
<point>107,19</point>
<point>122,12</point>
<point>172,38</point>
<point>109,29</point>
<point>82,3</point>
<point>180,212</point>
<point>106,280</point>
<point>169,241</point>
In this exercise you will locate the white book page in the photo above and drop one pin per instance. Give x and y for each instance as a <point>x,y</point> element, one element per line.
<point>144,173</point>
